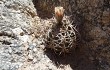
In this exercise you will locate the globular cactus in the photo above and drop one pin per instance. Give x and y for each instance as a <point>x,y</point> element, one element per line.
<point>62,37</point>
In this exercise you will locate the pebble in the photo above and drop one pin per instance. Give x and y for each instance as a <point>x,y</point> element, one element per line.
<point>18,31</point>
<point>34,49</point>
<point>9,50</point>
<point>30,56</point>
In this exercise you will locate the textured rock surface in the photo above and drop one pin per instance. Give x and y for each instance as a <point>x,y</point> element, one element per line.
<point>20,49</point>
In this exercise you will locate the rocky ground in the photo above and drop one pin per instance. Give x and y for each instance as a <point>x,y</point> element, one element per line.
<point>24,24</point>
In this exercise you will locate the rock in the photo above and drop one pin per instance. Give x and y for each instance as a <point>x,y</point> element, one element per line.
<point>34,50</point>
<point>30,57</point>
<point>26,20</point>
<point>18,31</point>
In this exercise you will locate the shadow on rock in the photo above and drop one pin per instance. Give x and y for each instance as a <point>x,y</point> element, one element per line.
<point>78,59</point>
<point>42,12</point>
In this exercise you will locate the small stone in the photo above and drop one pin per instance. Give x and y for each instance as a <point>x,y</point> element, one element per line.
<point>42,46</point>
<point>30,57</point>
<point>34,44</point>
<point>18,31</point>
<point>10,50</point>
<point>31,47</point>
<point>34,49</point>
